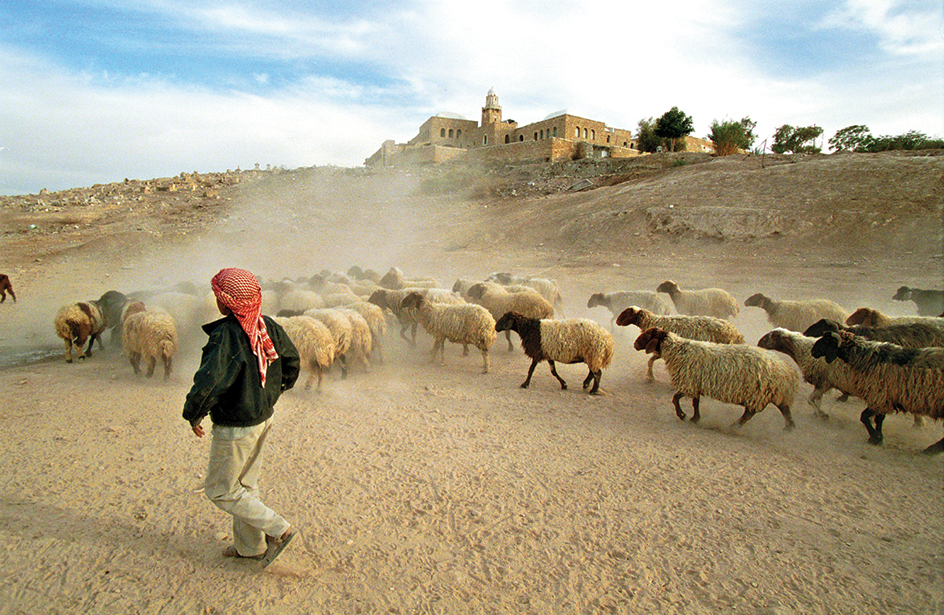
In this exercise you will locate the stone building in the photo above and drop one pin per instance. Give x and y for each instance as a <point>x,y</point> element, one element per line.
<point>559,136</point>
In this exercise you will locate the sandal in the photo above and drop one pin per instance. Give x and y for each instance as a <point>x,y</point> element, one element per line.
<point>231,551</point>
<point>275,546</point>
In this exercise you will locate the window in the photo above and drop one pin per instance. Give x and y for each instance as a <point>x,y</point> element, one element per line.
<point>451,133</point>
<point>520,137</point>
<point>584,133</point>
<point>507,139</point>
<point>485,140</point>
<point>555,132</point>
<point>593,135</point>
<point>535,136</point>
<point>442,132</point>
<point>577,132</point>
<point>542,134</point>
<point>458,133</point>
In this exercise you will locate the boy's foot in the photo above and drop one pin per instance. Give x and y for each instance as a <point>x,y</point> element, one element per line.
<point>275,546</point>
<point>231,551</point>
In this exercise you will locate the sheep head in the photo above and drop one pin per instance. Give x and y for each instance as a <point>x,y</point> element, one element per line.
<point>595,300</point>
<point>668,287</point>
<point>863,316</point>
<point>650,340</point>
<point>510,321</point>
<point>629,316</point>
<point>756,300</point>
<point>821,327</point>
<point>827,346</point>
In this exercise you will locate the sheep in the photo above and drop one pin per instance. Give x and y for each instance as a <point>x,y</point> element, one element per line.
<point>301,300</point>
<point>909,335</point>
<point>77,322</point>
<point>149,334</point>
<point>869,317</point>
<point>361,338</point>
<point>890,378</point>
<point>499,302</point>
<point>929,302</point>
<point>393,299</point>
<point>464,324</point>
<point>188,311</point>
<point>394,280</point>
<point>618,300</point>
<point>731,373</point>
<point>705,302</point>
<point>6,287</point>
<point>574,340</point>
<point>817,372</point>
<point>703,328</point>
<point>796,315</point>
<point>314,342</point>
<point>549,289</point>
<point>341,330</point>
<point>377,322</point>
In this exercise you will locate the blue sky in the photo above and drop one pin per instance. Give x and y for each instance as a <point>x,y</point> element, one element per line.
<point>99,90</point>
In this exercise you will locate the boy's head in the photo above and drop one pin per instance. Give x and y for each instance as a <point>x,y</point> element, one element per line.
<point>237,291</point>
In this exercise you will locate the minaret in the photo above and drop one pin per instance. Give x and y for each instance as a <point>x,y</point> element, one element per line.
<point>491,112</point>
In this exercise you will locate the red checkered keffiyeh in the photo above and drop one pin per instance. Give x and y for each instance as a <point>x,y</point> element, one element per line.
<point>239,290</point>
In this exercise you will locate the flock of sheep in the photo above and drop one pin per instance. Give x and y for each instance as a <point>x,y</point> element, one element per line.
<point>893,364</point>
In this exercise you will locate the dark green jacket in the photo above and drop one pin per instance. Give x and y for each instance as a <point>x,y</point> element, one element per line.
<point>226,386</point>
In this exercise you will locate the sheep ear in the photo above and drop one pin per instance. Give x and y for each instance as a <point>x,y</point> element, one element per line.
<point>653,345</point>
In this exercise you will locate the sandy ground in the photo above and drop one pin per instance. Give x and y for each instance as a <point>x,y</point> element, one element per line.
<point>423,488</point>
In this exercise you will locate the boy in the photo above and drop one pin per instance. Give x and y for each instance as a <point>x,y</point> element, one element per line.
<point>246,364</point>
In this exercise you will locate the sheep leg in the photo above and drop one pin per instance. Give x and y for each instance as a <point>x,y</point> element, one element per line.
<point>652,359</point>
<point>511,346</point>
<point>875,433</point>
<point>595,390</point>
<point>527,381</point>
<point>696,409</point>
<point>559,379</point>
<point>311,379</point>
<point>816,401</point>
<point>588,379</point>
<point>748,415</point>
<point>485,364</point>
<point>937,447</point>
<point>411,342</point>
<point>678,408</point>
<point>88,351</point>
<point>787,417</point>
<point>168,367</point>
<point>343,360</point>
<point>152,361</point>
<point>135,360</point>
<point>465,350</point>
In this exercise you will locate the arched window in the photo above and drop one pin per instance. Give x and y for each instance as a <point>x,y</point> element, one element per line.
<point>442,132</point>
<point>451,133</point>
<point>555,132</point>
<point>584,133</point>
<point>535,136</point>
<point>507,139</point>
<point>577,132</point>
<point>485,140</point>
<point>520,137</point>
<point>458,133</point>
<point>542,134</point>
<point>593,135</point>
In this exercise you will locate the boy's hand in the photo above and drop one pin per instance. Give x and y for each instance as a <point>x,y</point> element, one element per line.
<point>198,430</point>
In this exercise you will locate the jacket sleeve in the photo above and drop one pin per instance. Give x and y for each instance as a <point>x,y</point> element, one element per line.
<point>216,374</point>
<point>291,362</point>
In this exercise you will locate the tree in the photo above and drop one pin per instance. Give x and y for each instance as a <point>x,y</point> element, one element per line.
<point>674,126</point>
<point>799,140</point>
<point>730,136</point>
<point>855,138</point>
<point>646,139</point>
<point>911,140</point>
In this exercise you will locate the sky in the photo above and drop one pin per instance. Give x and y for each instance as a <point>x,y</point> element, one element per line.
<point>97,91</point>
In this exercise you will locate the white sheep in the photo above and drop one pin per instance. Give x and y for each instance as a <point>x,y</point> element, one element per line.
<point>890,378</point>
<point>361,339</point>
<point>77,322</point>
<point>314,342</point>
<point>816,371</point>
<point>797,315</point>
<point>149,334</point>
<point>928,302</point>
<point>394,280</point>
<point>393,300</point>
<point>574,340</point>
<point>341,330</point>
<point>549,289</point>
<point>299,300</point>
<point>618,300</point>
<point>715,302</point>
<point>702,328</point>
<point>464,324</point>
<point>731,373</point>
<point>374,315</point>
<point>498,301</point>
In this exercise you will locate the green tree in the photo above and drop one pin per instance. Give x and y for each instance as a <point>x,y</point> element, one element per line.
<point>730,136</point>
<point>911,140</point>
<point>855,138</point>
<point>646,139</point>
<point>799,140</point>
<point>674,126</point>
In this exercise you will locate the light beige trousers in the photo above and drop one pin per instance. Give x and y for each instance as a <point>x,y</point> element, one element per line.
<point>232,483</point>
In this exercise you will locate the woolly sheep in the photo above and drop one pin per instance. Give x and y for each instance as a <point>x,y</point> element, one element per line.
<point>394,280</point>
<point>188,311</point>
<point>705,302</point>
<point>574,340</point>
<point>377,322</point>
<point>618,300</point>
<point>703,328</point>
<point>149,334</point>
<point>341,330</point>
<point>549,289</point>
<point>928,302</point>
<point>300,300</point>
<point>868,317</point>
<point>816,371</point>
<point>77,322</point>
<point>796,315</point>
<point>909,335</point>
<point>314,342</point>
<point>393,300</point>
<point>731,373</point>
<point>499,302</point>
<point>464,324</point>
<point>890,378</point>
<point>361,339</point>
